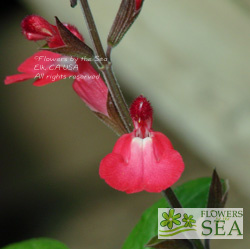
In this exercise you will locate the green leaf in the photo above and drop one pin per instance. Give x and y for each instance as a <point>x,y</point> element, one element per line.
<point>192,194</point>
<point>40,243</point>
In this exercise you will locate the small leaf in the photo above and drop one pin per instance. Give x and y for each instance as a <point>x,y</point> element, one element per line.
<point>73,46</point>
<point>218,192</point>
<point>41,243</point>
<point>215,192</point>
<point>169,243</point>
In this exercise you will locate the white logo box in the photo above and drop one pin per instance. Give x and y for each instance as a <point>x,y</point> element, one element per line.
<point>200,223</point>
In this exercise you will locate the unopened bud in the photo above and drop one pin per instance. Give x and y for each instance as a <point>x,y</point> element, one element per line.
<point>127,13</point>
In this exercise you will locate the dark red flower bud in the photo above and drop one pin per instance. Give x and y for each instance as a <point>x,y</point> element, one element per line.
<point>37,28</point>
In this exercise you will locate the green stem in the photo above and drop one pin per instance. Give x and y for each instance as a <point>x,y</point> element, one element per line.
<point>172,199</point>
<point>106,69</point>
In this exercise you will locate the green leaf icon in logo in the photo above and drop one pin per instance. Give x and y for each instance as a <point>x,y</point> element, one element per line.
<point>188,220</point>
<point>170,219</point>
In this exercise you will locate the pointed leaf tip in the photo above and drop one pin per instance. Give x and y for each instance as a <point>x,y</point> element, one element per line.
<point>218,192</point>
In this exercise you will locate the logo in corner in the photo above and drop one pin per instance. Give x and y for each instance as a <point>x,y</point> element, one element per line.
<point>200,223</point>
<point>172,225</point>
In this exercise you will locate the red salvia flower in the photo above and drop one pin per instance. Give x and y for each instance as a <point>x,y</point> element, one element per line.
<point>47,67</point>
<point>143,159</point>
<point>36,28</point>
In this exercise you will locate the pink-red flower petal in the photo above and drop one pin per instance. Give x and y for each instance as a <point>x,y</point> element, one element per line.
<point>17,78</point>
<point>137,164</point>
<point>91,88</point>
<point>45,64</point>
<point>36,28</point>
